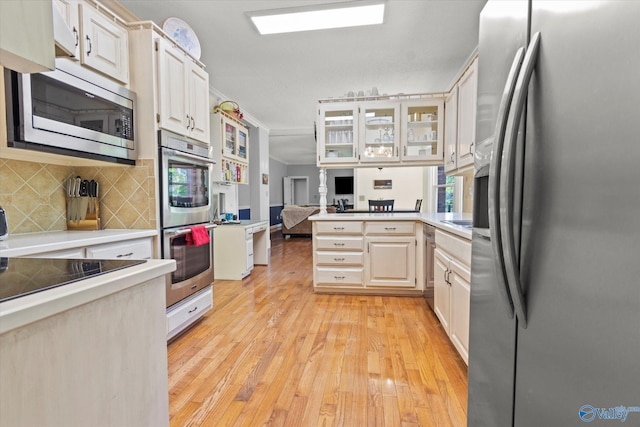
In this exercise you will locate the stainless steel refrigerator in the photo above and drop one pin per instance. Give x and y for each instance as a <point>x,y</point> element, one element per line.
<point>555,288</point>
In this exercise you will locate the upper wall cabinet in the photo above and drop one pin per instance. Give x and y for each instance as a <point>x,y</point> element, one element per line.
<point>104,44</point>
<point>230,143</point>
<point>183,93</point>
<point>460,122</point>
<point>380,132</point>
<point>69,12</point>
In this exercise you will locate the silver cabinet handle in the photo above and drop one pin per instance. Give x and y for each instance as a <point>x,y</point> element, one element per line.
<point>507,180</point>
<point>338,259</point>
<point>338,244</point>
<point>404,151</point>
<point>193,123</point>
<point>453,154</point>
<point>390,228</point>
<point>75,34</point>
<point>188,121</point>
<point>124,255</point>
<point>338,277</point>
<point>89,42</point>
<point>494,180</point>
<point>471,147</point>
<point>338,228</point>
<point>194,309</point>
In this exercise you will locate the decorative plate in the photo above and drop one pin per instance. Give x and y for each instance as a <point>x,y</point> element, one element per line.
<point>182,33</point>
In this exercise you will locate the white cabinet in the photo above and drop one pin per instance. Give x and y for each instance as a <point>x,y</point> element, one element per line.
<point>104,44</point>
<point>381,132</point>
<point>183,93</point>
<point>367,257</point>
<point>140,248</point>
<point>337,133</point>
<point>422,135</point>
<point>69,11</point>
<point>452,288</point>
<point>230,141</point>
<point>460,122</point>
<point>237,248</point>
<point>130,249</point>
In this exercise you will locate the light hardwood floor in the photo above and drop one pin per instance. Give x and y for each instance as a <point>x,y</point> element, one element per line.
<point>273,353</point>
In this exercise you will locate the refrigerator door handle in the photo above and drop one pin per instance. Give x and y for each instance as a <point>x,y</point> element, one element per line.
<point>507,180</point>
<point>494,179</point>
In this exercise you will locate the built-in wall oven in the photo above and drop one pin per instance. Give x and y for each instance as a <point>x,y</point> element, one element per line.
<point>185,200</point>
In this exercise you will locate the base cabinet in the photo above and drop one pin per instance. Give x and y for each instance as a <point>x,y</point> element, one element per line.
<point>452,291</point>
<point>367,257</point>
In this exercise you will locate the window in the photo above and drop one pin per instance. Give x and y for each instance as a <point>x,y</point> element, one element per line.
<point>446,194</point>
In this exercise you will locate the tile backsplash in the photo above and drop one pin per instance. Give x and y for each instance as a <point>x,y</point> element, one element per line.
<point>33,195</point>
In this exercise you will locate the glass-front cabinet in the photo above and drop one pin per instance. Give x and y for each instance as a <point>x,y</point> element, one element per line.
<point>422,136</point>
<point>381,132</point>
<point>230,141</point>
<point>337,133</point>
<point>379,135</point>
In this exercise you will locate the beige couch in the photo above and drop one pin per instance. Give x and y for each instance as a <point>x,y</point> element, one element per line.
<point>292,214</point>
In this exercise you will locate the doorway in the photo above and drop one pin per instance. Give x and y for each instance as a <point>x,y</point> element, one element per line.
<point>296,190</point>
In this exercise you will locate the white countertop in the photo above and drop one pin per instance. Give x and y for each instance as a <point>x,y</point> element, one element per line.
<point>33,243</point>
<point>245,223</point>
<point>435,219</point>
<point>27,309</point>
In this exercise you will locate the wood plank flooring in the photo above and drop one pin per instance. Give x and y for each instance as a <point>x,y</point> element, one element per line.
<point>273,353</point>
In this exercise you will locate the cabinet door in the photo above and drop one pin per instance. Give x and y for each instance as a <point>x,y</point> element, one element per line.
<point>105,45</point>
<point>391,262</point>
<point>451,130</point>
<point>467,115</point>
<point>243,144</point>
<point>379,132</point>
<point>441,290</point>
<point>337,133</point>
<point>422,132</point>
<point>198,103</point>
<point>69,11</point>
<point>129,249</point>
<point>229,138</point>
<point>172,88</point>
<point>460,297</point>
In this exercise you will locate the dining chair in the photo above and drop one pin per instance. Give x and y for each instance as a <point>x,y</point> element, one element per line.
<point>381,205</point>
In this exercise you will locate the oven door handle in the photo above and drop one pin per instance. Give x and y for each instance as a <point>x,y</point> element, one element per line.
<point>180,231</point>
<point>188,156</point>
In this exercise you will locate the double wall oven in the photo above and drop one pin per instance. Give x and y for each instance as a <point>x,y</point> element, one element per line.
<point>185,200</point>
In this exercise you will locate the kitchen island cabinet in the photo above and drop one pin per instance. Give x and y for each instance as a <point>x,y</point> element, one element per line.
<point>89,352</point>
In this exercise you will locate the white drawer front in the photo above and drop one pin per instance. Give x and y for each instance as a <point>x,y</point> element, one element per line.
<point>339,258</point>
<point>128,249</point>
<point>339,243</point>
<point>339,227</point>
<point>390,227</point>
<point>344,276</point>
<point>182,315</point>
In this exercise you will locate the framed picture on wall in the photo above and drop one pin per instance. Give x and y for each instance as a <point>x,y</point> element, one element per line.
<point>265,178</point>
<point>382,184</point>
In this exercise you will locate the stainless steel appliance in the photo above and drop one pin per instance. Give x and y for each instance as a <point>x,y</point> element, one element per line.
<point>429,233</point>
<point>71,111</point>
<point>555,300</point>
<point>185,198</point>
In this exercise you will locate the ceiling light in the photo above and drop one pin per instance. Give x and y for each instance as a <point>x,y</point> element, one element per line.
<point>318,17</point>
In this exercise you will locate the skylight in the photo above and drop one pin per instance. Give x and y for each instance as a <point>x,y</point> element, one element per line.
<point>318,17</point>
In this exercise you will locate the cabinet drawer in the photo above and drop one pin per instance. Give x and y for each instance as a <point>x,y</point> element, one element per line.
<point>339,258</point>
<point>390,227</point>
<point>129,249</point>
<point>343,276</point>
<point>345,243</point>
<point>339,227</point>
<point>455,246</point>
<point>183,313</point>
<point>73,253</point>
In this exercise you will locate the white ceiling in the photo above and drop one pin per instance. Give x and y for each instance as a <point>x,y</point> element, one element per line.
<point>278,79</point>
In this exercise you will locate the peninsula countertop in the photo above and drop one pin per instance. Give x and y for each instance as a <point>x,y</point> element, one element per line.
<point>435,219</point>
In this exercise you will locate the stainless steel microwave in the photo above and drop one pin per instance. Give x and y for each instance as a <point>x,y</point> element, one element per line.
<point>71,111</point>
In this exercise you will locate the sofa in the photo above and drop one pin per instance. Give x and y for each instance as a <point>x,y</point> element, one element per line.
<point>295,219</point>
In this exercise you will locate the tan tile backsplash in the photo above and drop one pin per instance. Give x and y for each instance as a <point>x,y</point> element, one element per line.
<point>33,195</point>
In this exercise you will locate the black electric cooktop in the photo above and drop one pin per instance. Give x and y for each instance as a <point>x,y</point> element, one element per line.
<point>24,276</point>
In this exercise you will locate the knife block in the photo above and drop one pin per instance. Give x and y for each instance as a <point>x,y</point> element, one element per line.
<point>91,220</point>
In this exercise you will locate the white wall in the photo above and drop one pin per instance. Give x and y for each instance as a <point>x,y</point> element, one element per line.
<point>277,171</point>
<point>407,186</point>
